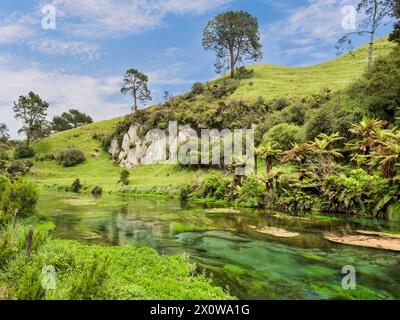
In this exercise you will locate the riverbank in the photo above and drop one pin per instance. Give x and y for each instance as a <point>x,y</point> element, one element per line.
<point>76,271</point>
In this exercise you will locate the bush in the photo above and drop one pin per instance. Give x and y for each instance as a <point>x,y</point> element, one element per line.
<point>20,195</point>
<point>321,122</point>
<point>213,187</point>
<point>280,104</point>
<point>71,157</point>
<point>197,88</point>
<point>284,135</point>
<point>251,194</point>
<point>18,168</point>
<point>23,152</point>
<point>124,177</point>
<point>97,191</point>
<point>4,184</point>
<point>4,156</point>
<point>76,186</point>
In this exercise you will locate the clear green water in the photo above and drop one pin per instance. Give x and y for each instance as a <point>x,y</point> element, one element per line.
<point>225,245</point>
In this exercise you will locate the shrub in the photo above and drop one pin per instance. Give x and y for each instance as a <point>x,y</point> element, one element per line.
<point>197,88</point>
<point>97,191</point>
<point>23,152</point>
<point>213,187</point>
<point>4,156</point>
<point>76,186</point>
<point>284,135</point>
<point>295,114</point>
<point>251,194</point>
<point>280,104</point>
<point>18,168</point>
<point>71,157</point>
<point>20,195</point>
<point>320,122</point>
<point>124,177</point>
<point>4,184</point>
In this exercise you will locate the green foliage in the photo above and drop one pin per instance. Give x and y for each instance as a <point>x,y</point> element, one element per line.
<point>124,177</point>
<point>97,191</point>
<point>24,152</point>
<point>251,194</point>
<point>70,120</point>
<point>107,273</point>
<point>32,111</point>
<point>320,122</point>
<point>76,186</point>
<point>214,187</point>
<point>234,36</point>
<point>136,84</point>
<point>71,157</point>
<point>284,135</point>
<point>354,193</point>
<point>197,88</point>
<point>21,197</point>
<point>18,168</point>
<point>379,90</point>
<point>4,136</point>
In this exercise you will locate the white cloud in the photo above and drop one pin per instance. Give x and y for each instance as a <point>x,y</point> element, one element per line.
<point>93,95</point>
<point>14,29</point>
<point>117,18</point>
<point>74,48</point>
<point>307,29</point>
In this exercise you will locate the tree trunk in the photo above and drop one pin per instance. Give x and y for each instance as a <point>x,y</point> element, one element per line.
<point>232,66</point>
<point>268,163</point>
<point>29,242</point>
<point>28,137</point>
<point>256,165</point>
<point>371,49</point>
<point>135,103</point>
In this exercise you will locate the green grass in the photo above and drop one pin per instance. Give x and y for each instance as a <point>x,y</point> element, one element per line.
<point>85,272</point>
<point>99,169</point>
<point>270,81</point>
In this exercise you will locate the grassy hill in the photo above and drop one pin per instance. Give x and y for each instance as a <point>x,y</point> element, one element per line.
<point>270,81</point>
<point>98,169</point>
<point>266,81</point>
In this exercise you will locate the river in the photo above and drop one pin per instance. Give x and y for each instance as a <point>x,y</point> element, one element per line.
<point>232,247</point>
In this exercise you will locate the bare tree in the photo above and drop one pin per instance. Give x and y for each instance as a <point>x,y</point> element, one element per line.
<point>375,11</point>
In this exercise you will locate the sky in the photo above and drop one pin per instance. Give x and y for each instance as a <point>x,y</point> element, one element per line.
<point>79,62</point>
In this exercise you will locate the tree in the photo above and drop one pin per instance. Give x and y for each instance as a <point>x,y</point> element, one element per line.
<point>395,35</point>
<point>70,120</point>
<point>375,12</point>
<point>234,36</point>
<point>270,153</point>
<point>136,84</point>
<point>32,110</point>
<point>166,96</point>
<point>4,136</point>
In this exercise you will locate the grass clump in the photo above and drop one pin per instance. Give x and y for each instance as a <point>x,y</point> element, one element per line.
<point>110,273</point>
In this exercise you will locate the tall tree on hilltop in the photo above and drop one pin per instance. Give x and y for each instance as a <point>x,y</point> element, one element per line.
<point>136,84</point>
<point>235,37</point>
<point>70,120</point>
<point>375,12</point>
<point>395,35</point>
<point>32,111</point>
<point>4,136</point>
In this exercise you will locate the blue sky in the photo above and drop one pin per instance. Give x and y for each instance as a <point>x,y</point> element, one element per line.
<point>80,64</point>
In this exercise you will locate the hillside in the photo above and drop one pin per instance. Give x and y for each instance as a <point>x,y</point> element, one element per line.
<point>267,81</point>
<point>270,81</point>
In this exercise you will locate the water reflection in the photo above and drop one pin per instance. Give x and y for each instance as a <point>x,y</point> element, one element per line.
<point>231,247</point>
